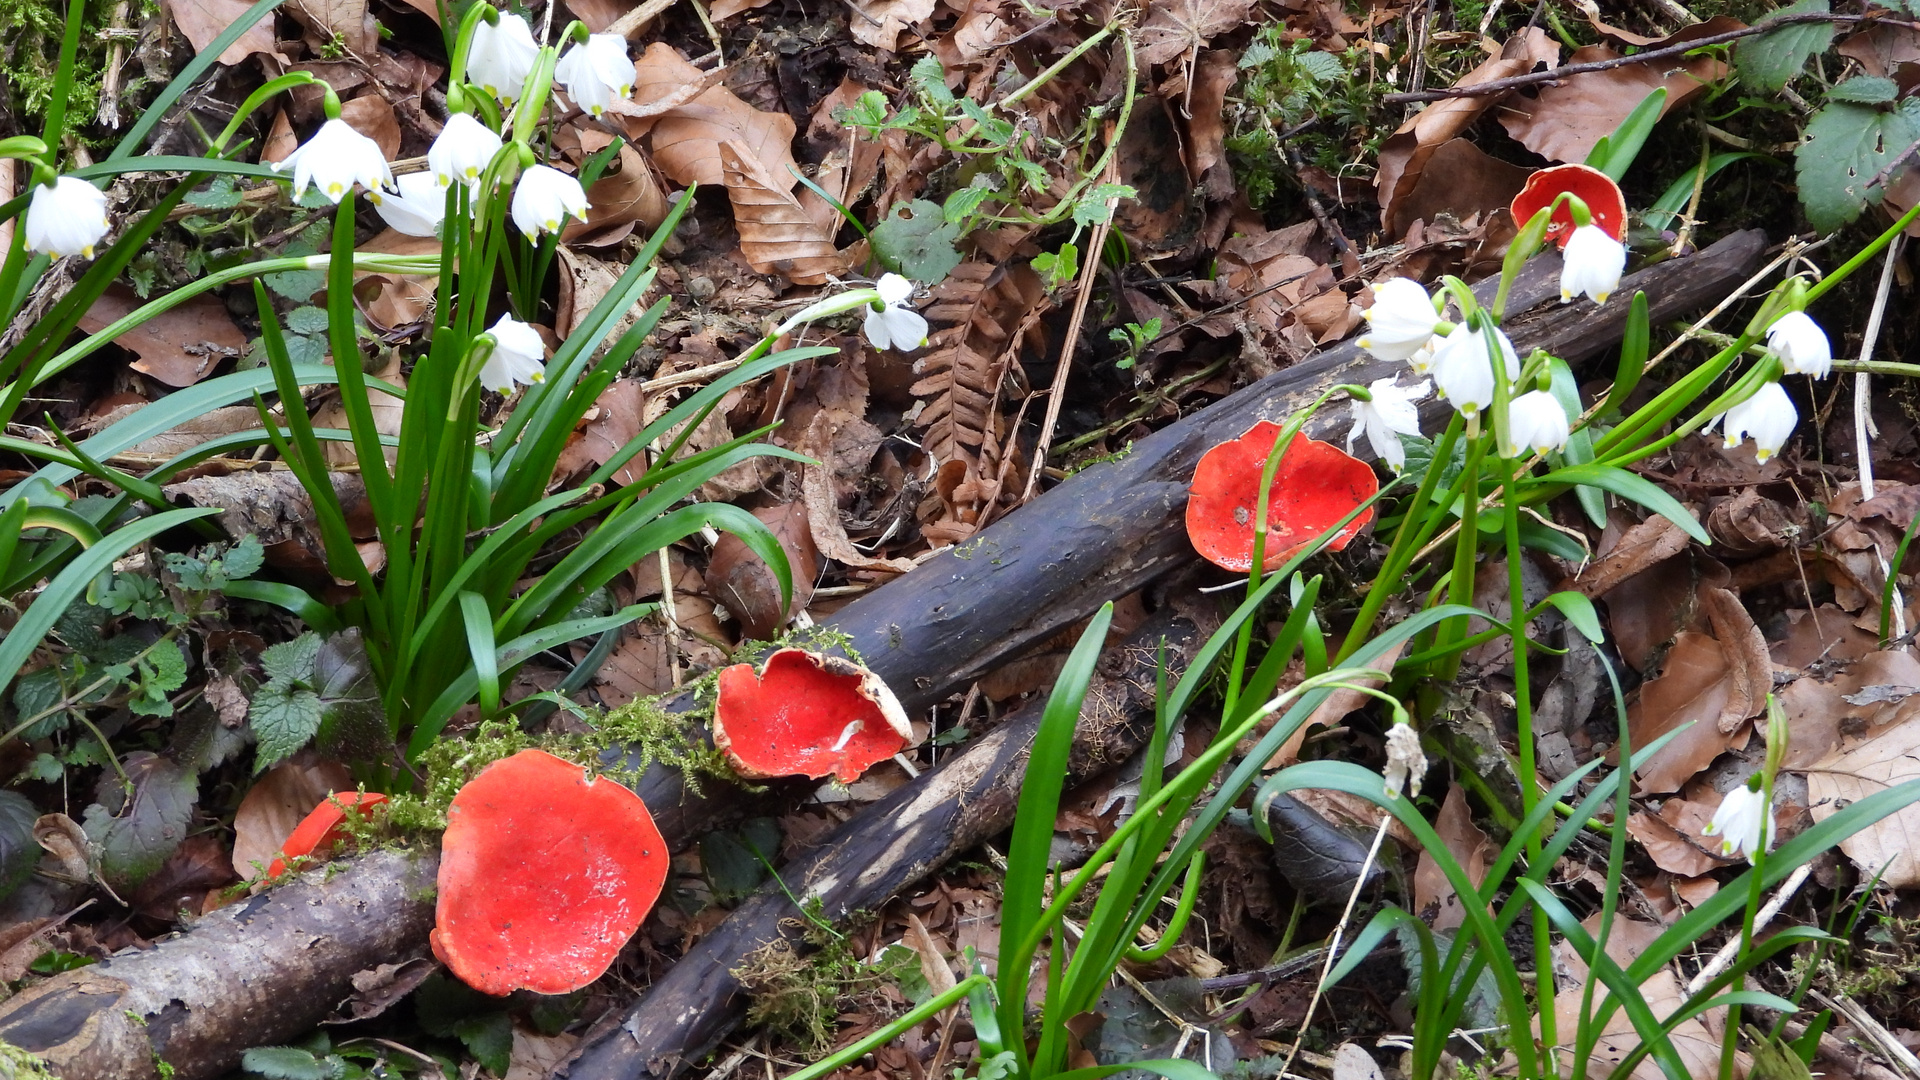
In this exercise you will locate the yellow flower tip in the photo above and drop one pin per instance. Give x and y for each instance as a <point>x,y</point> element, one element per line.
<point>335,190</point>
<point>1566,295</point>
<point>1601,298</point>
<point>1761,455</point>
<point>539,376</point>
<point>1366,343</point>
<point>551,224</point>
<point>1730,443</point>
<point>87,252</point>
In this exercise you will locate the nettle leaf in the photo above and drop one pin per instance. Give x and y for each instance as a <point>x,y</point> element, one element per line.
<point>286,1063</point>
<point>131,838</point>
<point>243,559</point>
<point>1769,61</point>
<point>307,320</point>
<point>35,693</point>
<point>1865,90</point>
<point>19,852</point>
<point>1320,66</point>
<point>489,1039</point>
<point>1092,208</point>
<point>1846,148</point>
<point>138,595</point>
<point>917,240</point>
<point>284,717</point>
<point>219,195</point>
<point>292,661</point>
<point>353,724</point>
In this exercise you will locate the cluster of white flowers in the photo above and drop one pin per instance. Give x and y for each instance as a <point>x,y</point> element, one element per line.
<point>1768,417</point>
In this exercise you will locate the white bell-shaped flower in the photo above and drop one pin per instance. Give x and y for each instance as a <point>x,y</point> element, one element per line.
<point>544,198</point>
<point>335,159</point>
<point>1389,415</point>
<point>519,356</point>
<point>1401,320</point>
<point>1591,263</point>
<point>1800,344</point>
<point>1463,373</point>
<point>416,208</point>
<point>462,150</point>
<point>1768,417</point>
<point>1743,822</point>
<point>1406,760</point>
<point>597,72</point>
<point>66,217</point>
<point>502,56</point>
<point>1535,419</point>
<point>895,325</point>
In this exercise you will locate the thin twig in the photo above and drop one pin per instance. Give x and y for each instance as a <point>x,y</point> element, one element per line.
<point>1501,86</point>
<point>1096,243</point>
<point>1728,952</point>
<point>1339,932</point>
<point>1862,382</point>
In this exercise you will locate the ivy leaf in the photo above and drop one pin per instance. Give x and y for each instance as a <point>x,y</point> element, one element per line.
<point>353,723</point>
<point>917,240</point>
<point>292,661</point>
<point>19,852</point>
<point>1846,147</point>
<point>133,837</point>
<point>284,718</point>
<point>1770,61</point>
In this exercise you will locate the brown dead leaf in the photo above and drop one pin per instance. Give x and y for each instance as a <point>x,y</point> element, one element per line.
<point>1692,689</point>
<point>1881,49</point>
<point>641,665</point>
<point>1697,1039</point>
<point>776,234</point>
<point>722,10</point>
<point>20,945</point>
<point>686,139</point>
<point>192,432</point>
<point>610,424</point>
<point>1213,76</point>
<point>200,864</point>
<point>1667,847</point>
<point>1459,179</point>
<point>178,347</point>
<point>880,23</point>
<point>379,988</point>
<point>662,80</point>
<point>823,500</point>
<point>1821,710</point>
<point>1404,156</point>
<point>1891,844</point>
<point>275,806</point>
<point>746,586</point>
<point>386,409</point>
<point>600,14</point>
<point>625,196</point>
<point>1640,547</point>
<point>1468,845</point>
<point>370,115</point>
<point>1182,27</point>
<point>535,1057</point>
<point>203,20</point>
<point>1749,666</point>
<point>1568,117</point>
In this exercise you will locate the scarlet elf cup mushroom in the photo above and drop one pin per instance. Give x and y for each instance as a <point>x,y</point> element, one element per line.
<point>1315,485</point>
<point>324,826</point>
<point>544,875</point>
<point>806,714</point>
<point>1593,187</point>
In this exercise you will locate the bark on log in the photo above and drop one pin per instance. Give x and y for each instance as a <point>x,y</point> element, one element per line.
<point>885,848</point>
<point>239,979</point>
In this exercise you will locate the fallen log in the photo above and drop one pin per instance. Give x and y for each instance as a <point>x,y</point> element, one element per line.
<point>1100,534</point>
<point>886,847</point>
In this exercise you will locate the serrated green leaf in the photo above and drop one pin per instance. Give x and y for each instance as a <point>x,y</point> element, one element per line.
<point>158,674</point>
<point>1845,148</point>
<point>132,838</point>
<point>1769,61</point>
<point>1865,90</point>
<point>19,853</point>
<point>284,1063</point>
<point>219,195</point>
<point>1320,66</point>
<point>962,203</point>
<point>307,320</point>
<point>1092,208</point>
<point>284,718</point>
<point>35,693</point>
<point>931,77</point>
<point>46,768</point>
<point>85,753</point>
<point>489,1039</point>
<point>291,661</point>
<point>353,724</point>
<point>917,240</point>
<point>243,559</point>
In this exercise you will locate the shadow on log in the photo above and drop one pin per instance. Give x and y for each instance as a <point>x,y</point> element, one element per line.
<point>241,979</point>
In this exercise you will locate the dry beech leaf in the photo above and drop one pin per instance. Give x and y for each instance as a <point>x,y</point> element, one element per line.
<point>275,805</point>
<point>1468,845</point>
<point>203,20</point>
<point>686,139</point>
<point>600,14</point>
<point>1749,666</point>
<point>662,80</point>
<point>1568,117</point>
<point>823,501</point>
<point>879,23</point>
<point>370,115</point>
<point>1697,1039</point>
<point>776,235</point>
<point>1405,153</point>
<point>1692,689</point>
<point>1459,179</point>
<point>178,347</point>
<point>342,20</point>
<point>722,10</point>
<point>610,424</point>
<point>621,199</point>
<point>1893,843</point>
<point>1180,27</point>
<point>386,410</point>
<point>1213,76</point>
<point>745,585</point>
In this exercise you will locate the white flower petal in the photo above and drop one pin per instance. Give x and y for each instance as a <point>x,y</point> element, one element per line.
<point>1535,419</point>
<point>1401,320</point>
<point>502,56</point>
<point>519,356</point>
<point>335,159</point>
<point>67,217</point>
<point>416,209</point>
<point>544,198</point>
<point>1801,345</point>
<point>1592,263</point>
<point>1768,416</point>
<point>462,150</point>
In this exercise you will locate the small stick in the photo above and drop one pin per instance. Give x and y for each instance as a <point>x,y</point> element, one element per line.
<point>1862,382</point>
<point>1725,957</point>
<point>1096,243</point>
<point>1333,944</point>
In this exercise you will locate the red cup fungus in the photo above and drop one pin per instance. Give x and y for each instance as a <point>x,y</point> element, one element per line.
<point>807,715</point>
<point>544,875</point>
<point>323,827</point>
<point>1315,486</point>
<point>1593,187</point>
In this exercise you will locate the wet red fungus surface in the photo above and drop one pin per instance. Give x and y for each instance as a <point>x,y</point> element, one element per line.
<point>1595,188</point>
<point>806,714</point>
<point>544,875</point>
<point>1315,486</point>
<point>324,827</point>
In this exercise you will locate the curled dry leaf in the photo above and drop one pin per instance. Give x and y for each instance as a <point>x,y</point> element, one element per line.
<point>746,586</point>
<point>385,407</point>
<point>1638,548</point>
<point>203,20</point>
<point>1468,845</point>
<point>1459,179</point>
<point>370,115</point>
<point>879,23</point>
<point>343,21</point>
<point>276,804</point>
<point>686,139</point>
<point>626,195</point>
<point>776,234</point>
<point>610,424</point>
<point>178,347</point>
<point>1180,28</point>
<point>662,80</point>
<point>1692,689</point>
<point>1891,846</point>
<point>1749,667</point>
<point>980,315</point>
<point>823,498</point>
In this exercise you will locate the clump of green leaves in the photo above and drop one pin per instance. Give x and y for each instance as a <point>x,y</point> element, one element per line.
<point>801,995</point>
<point>317,690</point>
<point>1134,338</point>
<point>1284,84</point>
<point>319,1058</point>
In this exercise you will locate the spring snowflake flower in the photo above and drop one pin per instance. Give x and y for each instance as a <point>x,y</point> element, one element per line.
<point>66,217</point>
<point>335,159</point>
<point>1406,761</point>
<point>1462,372</point>
<point>1768,416</point>
<point>1592,263</point>
<point>895,325</point>
<point>1535,419</point>
<point>1743,822</point>
<point>597,72</point>
<point>502,56</point>
<point>462,149</point>
<point>519,356</point>
<point>416,208</point>
<point>1801,345</point>
<point>1389,415</point>
<point>1400,321</point>
<point>544,198</point>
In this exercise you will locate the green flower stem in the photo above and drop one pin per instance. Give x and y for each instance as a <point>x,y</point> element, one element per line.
<point>1058,66</point>
<point>1466,545</point>
<point>56,128</point>
<point>1864,255</point>
<point>1743,388</point>
<point>463,44</point>
<point>533,100</point>
<point>258,98</point>
<point>1419,511</point>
